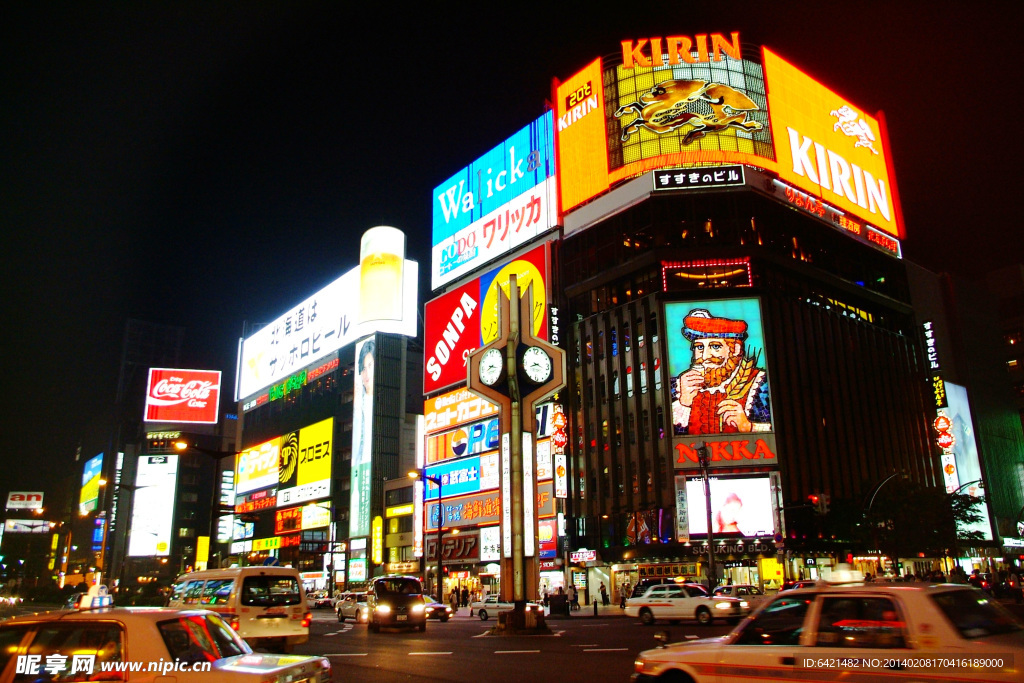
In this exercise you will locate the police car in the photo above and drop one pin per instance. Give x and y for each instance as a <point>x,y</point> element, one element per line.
<point>855,631</point>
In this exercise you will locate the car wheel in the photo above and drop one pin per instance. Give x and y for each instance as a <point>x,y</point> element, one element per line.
<point>646,617</point>
<point>704,617</point>
<point>483,615</point>
<point>341,618</point>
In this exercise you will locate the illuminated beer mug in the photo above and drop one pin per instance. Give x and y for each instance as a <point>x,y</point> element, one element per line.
<point>381,260</point>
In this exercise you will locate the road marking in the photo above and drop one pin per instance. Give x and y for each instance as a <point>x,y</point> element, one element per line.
<point>593,625</point>
<point>689,637</point>
<point>346,654</point>
<point>586,645</point>
<point>607,649</point>
<point>414,654</point>
<point>332,633</point>
<point>515,652</point>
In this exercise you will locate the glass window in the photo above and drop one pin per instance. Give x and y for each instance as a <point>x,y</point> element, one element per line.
<point>853,621</point>
<point>216,591</point>
<point>625,336</point>
<point>780,623</point>
<point>267,591</point>
<point>615,342</point>
<point>69,638</point>
<point>193,589</point>
<point>200,638</point>
<point>401,586</point>
<point>615,384</point>
<point>973,614</point>
<point>600,344</point>
<point>643,378</point>
<point>10,638</point>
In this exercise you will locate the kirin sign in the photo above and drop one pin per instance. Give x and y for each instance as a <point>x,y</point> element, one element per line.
<point>183,396</point>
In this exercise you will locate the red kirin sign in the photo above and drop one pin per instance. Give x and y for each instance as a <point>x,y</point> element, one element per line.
<point>183,396</point>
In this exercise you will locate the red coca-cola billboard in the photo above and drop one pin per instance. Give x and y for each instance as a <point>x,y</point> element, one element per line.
<point>183,396</point>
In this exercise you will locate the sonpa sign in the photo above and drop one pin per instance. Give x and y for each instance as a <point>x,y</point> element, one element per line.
<point>25,500</point>
<point>466,317</point>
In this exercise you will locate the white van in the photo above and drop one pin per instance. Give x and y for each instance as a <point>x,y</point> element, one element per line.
<point>265,605</point>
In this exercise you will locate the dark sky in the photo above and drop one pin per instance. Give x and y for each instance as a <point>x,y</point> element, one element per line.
<point>206,164</point>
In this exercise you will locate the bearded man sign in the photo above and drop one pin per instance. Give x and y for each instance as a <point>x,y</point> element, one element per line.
<point>719,385</point>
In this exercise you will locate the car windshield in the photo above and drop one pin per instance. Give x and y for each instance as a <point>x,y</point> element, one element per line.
<point>399,586</point>
<point>200,638</point>
<point>973,614</point>
<point>270,591</point>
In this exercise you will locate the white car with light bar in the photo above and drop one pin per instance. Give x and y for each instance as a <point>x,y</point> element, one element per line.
<point>491,604</point>
<point>675,602</point>
<point>124,643</point>
<point>854,631</point>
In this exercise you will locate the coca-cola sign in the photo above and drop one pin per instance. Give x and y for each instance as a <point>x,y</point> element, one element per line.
<point>183,396</point>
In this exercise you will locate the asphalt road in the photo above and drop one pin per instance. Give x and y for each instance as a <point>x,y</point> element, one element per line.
<point>581,648</point>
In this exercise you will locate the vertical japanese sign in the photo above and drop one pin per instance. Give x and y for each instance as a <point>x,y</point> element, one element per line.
<point>582,137</point>
<point>88,500</point>
<point>682,518</point>
<point>362,438</point>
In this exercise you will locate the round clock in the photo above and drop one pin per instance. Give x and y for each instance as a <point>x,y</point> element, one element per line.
<point>491,364</point>
<point>537,364</point>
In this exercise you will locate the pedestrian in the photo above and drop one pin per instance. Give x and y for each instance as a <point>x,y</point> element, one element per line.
<point>573,601</point>
<point>453,598</point>
<point>604,595</point>
<point>623,595</point>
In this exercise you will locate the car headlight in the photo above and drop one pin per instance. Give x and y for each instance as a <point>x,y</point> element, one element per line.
<point>638,665</point>
<point>744,603</point>
<point>417,609</point>
<point>447,609</point>
<point>723,605</point>
<point>383,609</point>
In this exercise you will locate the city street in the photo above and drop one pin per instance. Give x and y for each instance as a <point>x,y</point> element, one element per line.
<point>579,648</point>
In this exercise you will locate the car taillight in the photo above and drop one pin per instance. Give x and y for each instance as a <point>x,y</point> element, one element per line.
<point>307,620</point>
<point>235,625</point>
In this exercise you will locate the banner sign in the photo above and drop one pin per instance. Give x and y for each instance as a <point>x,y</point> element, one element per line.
<point>484,508</point>
<point>25,500</point>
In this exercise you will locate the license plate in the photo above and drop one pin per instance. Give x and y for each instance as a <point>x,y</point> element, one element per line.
<point>403,617</point>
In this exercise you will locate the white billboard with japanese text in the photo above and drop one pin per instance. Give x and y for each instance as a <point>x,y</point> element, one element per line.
<point>324,323</point>
<point>153,506</point>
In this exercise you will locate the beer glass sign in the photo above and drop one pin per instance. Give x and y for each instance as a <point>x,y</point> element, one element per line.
<point>381,256</point>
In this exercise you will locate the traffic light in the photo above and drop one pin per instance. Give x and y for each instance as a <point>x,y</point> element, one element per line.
<point>815,502</point>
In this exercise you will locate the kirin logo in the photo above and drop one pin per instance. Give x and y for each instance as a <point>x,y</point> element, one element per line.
<point>854,126</point>
<point>671,105</point>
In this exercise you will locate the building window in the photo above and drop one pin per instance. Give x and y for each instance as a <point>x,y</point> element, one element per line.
<point>186,532</point>
<point>615,384</point>
<point>625,336</point>
<point>189,498</point>
<point>615,342</point>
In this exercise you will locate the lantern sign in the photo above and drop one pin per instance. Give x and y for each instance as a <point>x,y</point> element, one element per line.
<point>942,424</point>
<point>945,440</point>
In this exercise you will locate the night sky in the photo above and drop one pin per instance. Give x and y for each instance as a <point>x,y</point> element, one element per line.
<point>208,164</point>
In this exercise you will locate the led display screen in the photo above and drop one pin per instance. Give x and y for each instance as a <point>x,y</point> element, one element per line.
<point>362,438</point>
<point>499,202</point>
<point>966,469</point>
<point>153,506</point>
<point>740,506</point>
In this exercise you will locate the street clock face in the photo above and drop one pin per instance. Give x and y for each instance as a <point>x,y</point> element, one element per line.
<point>491,364</point>
<point>537,364</point>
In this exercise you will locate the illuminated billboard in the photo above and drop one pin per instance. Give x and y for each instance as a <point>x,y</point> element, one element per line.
<point>153,506</point>
<point>467,475</point>
<point>362,438</point>
<point>718,380</point>
<point>25,500</point>
<point>466,317</point>
<point>484,508</point>
<point>27,526</point>
<point>740,506</point>
<point>257,467</point>
<point>304,469</point>
<point>183,396</point>
<point>829,147</point>
<point>454,408</point>
<point>677,103</point>
<point>88,500</point>
<point>962,466</point>
<point>499,202</point>
<point>334,317</point>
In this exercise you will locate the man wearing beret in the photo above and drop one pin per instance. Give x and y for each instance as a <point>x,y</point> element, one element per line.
<point>723,391</point>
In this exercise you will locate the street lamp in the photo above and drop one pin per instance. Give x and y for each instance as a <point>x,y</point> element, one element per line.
<point>440,524</point>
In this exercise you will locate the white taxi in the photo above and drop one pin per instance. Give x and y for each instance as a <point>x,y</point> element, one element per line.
<point>855,632</point>
<point>491,604</point>
<point>673,602</point>
<point>142,644</point>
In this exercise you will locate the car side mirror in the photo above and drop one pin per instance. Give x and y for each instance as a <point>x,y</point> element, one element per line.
<point>662,638</point>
